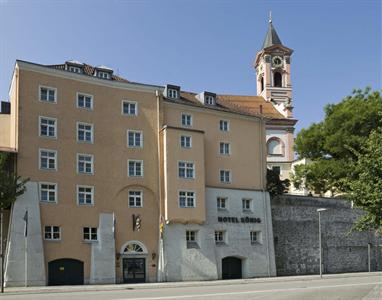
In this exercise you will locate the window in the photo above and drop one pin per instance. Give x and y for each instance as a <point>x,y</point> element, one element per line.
<point>221,202</point>
<point>275,147</point>
<point>255,237</point>
<point>247,204</point>
<point>276,169</point>
<point>262,83</point>
<point>186,169</point>
<point>48,127</point>
<point>84,101</point>
<point>225,176</point>
<point>85,163</point>
<point>186,199</point>
<point>85,195</point>
<point>209,100</point>
<point>185,141</point>
<point>172,93</point>
<point>219,237</point>
<point>52,233</point>
<point>135,168</point>
<point>48,192</point>
<point>191,239</point>
<point>134,139</point>
<point>85,132</point>
<point>48,159</point>
<point>277,79</point>
<point>224,125</point>
<point>74,69</point>
<point>103,75</point>
<point>47,94</point>
<point>129,108</point>
<point>186,120</point>
<point>135,198</point>
<point>90,234</point>
<point>225,148</point>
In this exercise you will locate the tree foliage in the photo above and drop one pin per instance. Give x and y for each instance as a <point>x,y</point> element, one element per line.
<point>365,190</point>
<point>276,186</point>
<point>11,185</point>
<point>332,144</point>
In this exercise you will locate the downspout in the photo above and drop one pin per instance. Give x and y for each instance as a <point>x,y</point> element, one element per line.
<point>160,264</point>
<point>263,182</point>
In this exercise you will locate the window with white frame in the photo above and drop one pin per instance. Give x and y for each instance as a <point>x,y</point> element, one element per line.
<point>186,199</point>
<point>52,233</point>
<point>129,108</point>
<point>209,100</point>
<point>74,69</point>
<point>219,237</point>
<point>172,93</point>
<point>85,163</point>
<point>90,234</point>
<point>47,94</point>
<point>224,125</point>
<point>85,132</point>
<point>225,148</point>
<point>135,198</point>
<point>225,176</point>
<point>186,120</point>
<point>134,139</point>
<point>103,75</point>
<point>135,168</point>
<point>48,192</point>
<point>84,101</point>
<point>191,239</point>
<point>186,169</point>
<point>221,202</point>
<point>85,195</point>
<point>48,127</point>
<point>255,237</point>
<point>185,141</point>
<point>48,159</point>
<point>247,204</point>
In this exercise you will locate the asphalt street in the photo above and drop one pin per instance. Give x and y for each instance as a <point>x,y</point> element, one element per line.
<point>336,288</point>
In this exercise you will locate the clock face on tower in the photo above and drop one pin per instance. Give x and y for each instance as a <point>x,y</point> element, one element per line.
<point>277,61</point>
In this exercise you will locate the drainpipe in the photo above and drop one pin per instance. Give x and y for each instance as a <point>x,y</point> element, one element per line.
<point>263,182</point>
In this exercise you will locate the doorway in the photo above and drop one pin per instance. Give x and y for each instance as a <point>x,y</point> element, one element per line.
<point>65,271</point>
<point>134,270</point>
<point>231,268</point>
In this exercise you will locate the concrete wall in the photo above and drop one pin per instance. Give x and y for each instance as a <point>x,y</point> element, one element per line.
<point>295,225</point>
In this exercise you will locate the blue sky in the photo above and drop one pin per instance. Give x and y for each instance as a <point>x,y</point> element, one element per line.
<point>203,45</point>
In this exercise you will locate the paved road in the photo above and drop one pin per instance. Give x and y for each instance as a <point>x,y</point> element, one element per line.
<point>334,288</point>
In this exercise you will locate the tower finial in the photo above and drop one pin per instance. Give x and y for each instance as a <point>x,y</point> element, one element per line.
<point>270,16</point>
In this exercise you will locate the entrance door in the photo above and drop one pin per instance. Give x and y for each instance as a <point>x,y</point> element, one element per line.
<point>134,270</point>
<point>231,268</point>
<point>65,271</point>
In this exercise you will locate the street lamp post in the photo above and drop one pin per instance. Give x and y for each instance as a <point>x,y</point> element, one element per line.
<point>319,236</point>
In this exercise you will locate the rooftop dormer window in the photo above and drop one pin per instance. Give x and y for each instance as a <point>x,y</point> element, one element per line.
<point>103,75</point>
<point>206,98</point>
<point>74,69</point>
<point>209,100</point>
<point>172,91</point>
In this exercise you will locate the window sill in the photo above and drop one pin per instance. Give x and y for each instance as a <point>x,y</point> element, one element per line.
<point>90,242</point>
<point>247,211</point>
<point>221,243</point>
<point>192,245</point>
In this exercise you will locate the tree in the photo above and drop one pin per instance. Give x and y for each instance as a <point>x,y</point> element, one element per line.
<point>11,186</point>
<point>331,144</point>
<point>365,190</point>
<point>276,186</point>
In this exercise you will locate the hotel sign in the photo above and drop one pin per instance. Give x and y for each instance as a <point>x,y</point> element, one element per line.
<point>238,220</point>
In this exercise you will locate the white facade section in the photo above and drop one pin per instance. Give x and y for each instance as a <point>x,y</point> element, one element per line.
<point>204,261</point>
<point>16,269</point>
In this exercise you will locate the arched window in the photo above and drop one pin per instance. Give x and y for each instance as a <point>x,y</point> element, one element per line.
<point>275,147</point>
<point>277,79</point>
<point>262,83</point>
<point>133,247</point>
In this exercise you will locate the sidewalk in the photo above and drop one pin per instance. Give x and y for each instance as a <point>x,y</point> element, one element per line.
<point>112,287</point>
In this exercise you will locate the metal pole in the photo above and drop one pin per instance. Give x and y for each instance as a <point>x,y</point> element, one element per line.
<point>2,250</point>
<point>319,241</point>
<point>26,261</point>
<point>368,256</point>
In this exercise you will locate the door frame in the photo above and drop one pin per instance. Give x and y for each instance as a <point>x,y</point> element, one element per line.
<point>242,261</point>
<point>55,261</point>
<point>135,256</point>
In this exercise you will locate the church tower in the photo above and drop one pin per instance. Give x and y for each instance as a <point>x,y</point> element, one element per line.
<point>272,65</point>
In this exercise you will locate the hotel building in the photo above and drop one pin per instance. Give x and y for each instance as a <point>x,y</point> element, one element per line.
<point>132,182</point>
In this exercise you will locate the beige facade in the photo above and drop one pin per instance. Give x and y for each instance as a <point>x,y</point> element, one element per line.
<point>136,170</point>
